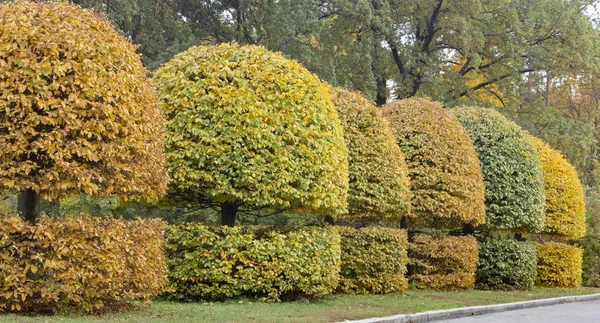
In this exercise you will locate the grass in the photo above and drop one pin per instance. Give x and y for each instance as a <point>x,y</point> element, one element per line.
<point>333,309</point>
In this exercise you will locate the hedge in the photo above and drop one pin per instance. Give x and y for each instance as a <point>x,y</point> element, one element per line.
<point>506,265</point>
<point>558,265</point>
<point>217,263</point>
<point>373,260</point>
<point>565,201</point>
<point>445,174</point>
<point>442,262</point>
<point>379,184</point>
<point>81,263</point>
<point>250,127</point>
<point>512,171</point>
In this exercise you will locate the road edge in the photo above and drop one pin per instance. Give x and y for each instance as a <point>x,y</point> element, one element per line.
<point>475,310</point>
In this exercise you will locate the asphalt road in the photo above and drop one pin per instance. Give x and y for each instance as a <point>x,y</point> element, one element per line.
<point>580,312</point>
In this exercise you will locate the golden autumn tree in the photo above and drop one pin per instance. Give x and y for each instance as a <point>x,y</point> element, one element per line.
<point>77,113</point>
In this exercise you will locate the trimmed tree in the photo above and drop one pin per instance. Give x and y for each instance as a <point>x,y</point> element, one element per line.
<point>512,172</point>
<point>249,129</point>
<point>565,201</point>
<point>378,182</point>
<point>77,113</point>
<point>445,174</point>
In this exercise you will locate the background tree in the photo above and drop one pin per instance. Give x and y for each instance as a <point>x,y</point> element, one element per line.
<point>378,182</point>
<point>248,129</point>
<point>77,113</point>
<point>445,174</point>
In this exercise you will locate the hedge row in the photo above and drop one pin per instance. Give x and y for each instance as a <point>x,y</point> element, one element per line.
<point>225,262</point>
<point>558,265</point>
<point>373,260</point>
<point>442,262</point>
<point>506,265</point>
<point>82,263</point>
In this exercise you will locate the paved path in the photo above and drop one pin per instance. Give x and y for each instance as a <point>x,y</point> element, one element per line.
<point>580,312</point>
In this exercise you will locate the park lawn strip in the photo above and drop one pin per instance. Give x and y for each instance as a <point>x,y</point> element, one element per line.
<point>333,309</point>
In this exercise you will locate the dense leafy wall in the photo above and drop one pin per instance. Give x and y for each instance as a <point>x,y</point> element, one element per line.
<point>512,172</point>
<point>445,174</point>
<point>77,113</point>
<point>378,182</point>
<point>506,265</point>
<point>565,201</point>
<point>558,265</point>
<point>248,126</point>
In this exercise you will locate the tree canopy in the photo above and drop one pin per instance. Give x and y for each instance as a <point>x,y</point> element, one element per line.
<point>247,128</point>
<point>77,113</point>
<point>445,174</point>
<point>378,182</point>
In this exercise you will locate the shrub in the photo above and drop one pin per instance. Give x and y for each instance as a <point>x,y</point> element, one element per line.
<point>82,263</point>
<point>379,184</point>
<point>216,263</point>
<point>77,113</point>
<point>506,265</point>
<point>373,260</point>
<point>565,201</point>
<point>445,175</point>
<point>558,265</point>
<point>442,262</point>
<point>591,242</point>
<point>512,172</point>
<point>248,128</point>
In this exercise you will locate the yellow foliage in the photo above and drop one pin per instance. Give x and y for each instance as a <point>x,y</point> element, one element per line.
<point>565,200</point>
<point>373,260</point>
<point>558,265</point>
<point>250,126</point>
<point>443,262</point>
<point>226,262</point>
<point>77,113</point>
<point>444,170</point>
<point>84,263</point>
<point>379,184</point>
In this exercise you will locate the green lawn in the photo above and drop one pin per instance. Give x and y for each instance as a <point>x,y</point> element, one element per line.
<point>336,308</point>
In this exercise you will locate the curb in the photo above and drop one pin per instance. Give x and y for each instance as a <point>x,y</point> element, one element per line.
<point>475,310</point>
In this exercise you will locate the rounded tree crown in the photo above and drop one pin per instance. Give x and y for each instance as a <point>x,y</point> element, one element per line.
<point>77,113</point>
<point>379,184</point>
<point>248,126</point>
<point>565,201</point>
<point>512,172</point>
<point>445,174</point>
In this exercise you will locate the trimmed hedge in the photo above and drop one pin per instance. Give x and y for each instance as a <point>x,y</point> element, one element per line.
<point>565,201</point>
<point>248,126</point>
<point>373,260</point>
<point>512,171</point>
<point>81,263</point>
<point>558,265</point>
<point>442,262</point>
<point>379,184</point>
<point>216,263</point>
<point>445,174</point>
<point>506,265</point>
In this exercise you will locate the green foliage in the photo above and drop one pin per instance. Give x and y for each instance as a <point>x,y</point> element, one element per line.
<point>77,113</point>
<point>558,265</point>
<point>442,262</point>
<point>379,184</point>
<point>81,263</point>
<point>565,202</point>
<point>215,263</point>
<point>248,126</point>
<point>506,265</point>
<point>445,174</point>
<point>591,243</point>
<point>512,171</point>
<point>373,260</point>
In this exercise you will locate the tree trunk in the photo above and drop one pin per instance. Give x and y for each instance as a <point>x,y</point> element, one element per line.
<point>29,205</point>
<point>468,229</point>
<point>228,213</point>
